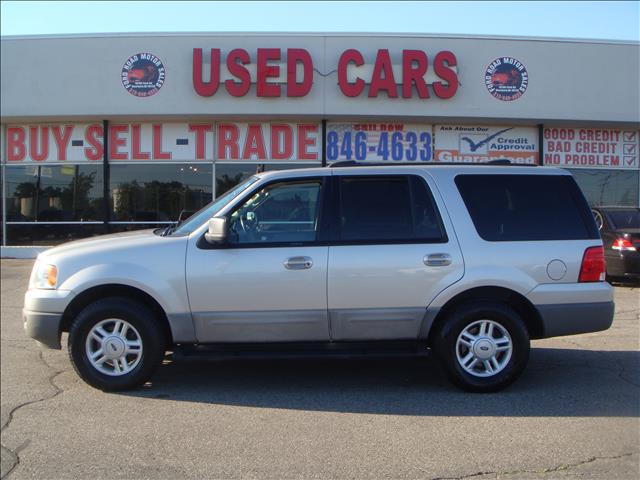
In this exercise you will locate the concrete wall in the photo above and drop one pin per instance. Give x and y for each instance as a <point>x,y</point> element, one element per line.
<point>79,77</point>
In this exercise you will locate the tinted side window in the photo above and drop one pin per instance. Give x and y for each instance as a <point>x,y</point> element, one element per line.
<point>526,207</point>
<point>393,208</point>
<point>426,220</point>
<point>284,212</point>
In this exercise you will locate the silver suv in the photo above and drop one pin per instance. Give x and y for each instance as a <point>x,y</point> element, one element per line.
<point>469,261</point>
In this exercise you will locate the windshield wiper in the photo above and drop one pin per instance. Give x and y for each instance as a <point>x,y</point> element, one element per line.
<point>169,230</point>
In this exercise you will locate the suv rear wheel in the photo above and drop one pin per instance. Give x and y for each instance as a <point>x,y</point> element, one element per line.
<point>483,347</point>
<point>116,344</point>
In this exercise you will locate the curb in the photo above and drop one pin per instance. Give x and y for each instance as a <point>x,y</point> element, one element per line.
<point>21,252</point>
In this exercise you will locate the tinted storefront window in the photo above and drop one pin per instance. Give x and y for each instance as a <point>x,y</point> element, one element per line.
<point>60,203</point>
<point>229,175</point>
<point>158,192</point>
<point>63,193</point>
<point>45,234</point>
<point>609,187</point>
<point>2,199</point>
<point>130,227</point>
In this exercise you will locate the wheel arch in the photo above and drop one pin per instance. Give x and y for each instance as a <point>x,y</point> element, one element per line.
<point>92,294</point>
<point>517,301</point>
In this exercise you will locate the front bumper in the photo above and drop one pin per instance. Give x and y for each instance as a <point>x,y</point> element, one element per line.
<point>43,327</point>
<point>42,315</point>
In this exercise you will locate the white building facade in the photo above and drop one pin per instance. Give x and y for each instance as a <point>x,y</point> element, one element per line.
<point>119,132</point>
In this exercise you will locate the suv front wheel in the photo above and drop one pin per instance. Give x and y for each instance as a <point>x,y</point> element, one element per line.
<point>483,347</point>
<point>116,344</point>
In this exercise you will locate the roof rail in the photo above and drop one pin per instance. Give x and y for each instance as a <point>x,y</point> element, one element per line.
<point>498,162</point>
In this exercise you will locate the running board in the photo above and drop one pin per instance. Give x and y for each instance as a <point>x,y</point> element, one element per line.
<point>302,350</point>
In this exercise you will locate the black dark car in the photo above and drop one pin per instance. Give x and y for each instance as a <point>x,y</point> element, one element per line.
<point>620,231</point>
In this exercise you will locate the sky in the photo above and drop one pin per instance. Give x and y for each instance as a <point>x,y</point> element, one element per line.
<point>614,20</point>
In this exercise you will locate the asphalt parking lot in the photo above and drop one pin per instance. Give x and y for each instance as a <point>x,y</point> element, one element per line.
<point>573,414</point>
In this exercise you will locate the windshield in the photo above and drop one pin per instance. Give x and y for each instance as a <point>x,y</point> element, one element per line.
<point>201,216</point>
<point>622,219</point>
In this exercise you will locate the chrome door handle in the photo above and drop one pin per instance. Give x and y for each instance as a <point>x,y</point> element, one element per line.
<point>298,263</point>
<point>437,260</point>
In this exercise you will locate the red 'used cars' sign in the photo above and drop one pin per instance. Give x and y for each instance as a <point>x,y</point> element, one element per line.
<point>273,77</point>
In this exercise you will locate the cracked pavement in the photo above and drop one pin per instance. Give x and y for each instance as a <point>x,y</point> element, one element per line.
<point>573,414</point>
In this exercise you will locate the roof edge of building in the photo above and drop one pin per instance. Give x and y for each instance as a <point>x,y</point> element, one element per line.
<point>321,34</point>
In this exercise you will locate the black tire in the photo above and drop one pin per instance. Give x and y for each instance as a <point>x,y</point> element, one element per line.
<point>141,318</point>
<point>611,279</point>
<point>446,337</point>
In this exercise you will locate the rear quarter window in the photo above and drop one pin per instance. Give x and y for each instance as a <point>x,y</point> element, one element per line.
<point>527,207</point>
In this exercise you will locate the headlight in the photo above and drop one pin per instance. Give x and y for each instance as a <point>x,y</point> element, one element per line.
<point>44,276</point>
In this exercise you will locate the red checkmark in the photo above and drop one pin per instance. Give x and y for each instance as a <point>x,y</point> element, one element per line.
<point>629,136</point>
<point>630,161</point>
<point>630,147</point>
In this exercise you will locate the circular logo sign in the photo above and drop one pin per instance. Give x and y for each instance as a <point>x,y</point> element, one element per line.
<point>143,74</point>
<point>506,79</point>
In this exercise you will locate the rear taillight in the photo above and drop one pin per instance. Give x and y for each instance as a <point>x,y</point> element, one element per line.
<point>592,268</point>
<point>623,244</point>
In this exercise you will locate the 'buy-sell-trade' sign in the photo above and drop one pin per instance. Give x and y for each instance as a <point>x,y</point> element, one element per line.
<point>176,142</point>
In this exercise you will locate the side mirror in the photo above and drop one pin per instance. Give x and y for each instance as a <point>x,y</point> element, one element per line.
<point>217,233</point>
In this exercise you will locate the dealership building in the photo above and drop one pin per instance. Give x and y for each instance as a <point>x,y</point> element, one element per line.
<point>107,133</point>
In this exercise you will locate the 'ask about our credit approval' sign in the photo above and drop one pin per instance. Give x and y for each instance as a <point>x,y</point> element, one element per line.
<point>482,143</point>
